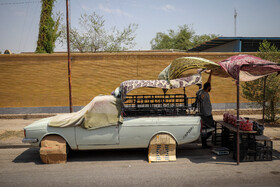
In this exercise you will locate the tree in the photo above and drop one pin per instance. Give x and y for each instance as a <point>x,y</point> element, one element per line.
<point>199,39</point>
<point>183,39</point>
<point>48,30</point>
<point>162,41</point>
<point>253,90</point>
<point>121,40</point>
<point>92,35</point>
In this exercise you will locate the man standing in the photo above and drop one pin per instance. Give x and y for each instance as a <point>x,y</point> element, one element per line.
<point>206,111</point>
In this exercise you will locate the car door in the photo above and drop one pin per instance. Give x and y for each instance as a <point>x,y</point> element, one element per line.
<point>101,136</point>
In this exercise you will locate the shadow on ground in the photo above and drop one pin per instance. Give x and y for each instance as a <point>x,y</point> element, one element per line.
<point>32,155</point>
<point>29,155</point>
<point>196,154</point>
<point>192,152</point>
<point>108,155</point>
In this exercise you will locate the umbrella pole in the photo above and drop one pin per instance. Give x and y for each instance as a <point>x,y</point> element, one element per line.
<point>264,86</point>
<point>237,122</point>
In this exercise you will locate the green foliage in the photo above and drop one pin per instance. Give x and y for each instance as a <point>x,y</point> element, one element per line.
<point>92,35</point>
<point>121,40</point>
<point>183,39</point>
<point>253,90</point>
<point>199,39</point>
<point>162,41</point>
<point>48,30</point>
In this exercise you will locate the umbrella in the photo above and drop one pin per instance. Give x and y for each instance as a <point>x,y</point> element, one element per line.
<point>248,67</point>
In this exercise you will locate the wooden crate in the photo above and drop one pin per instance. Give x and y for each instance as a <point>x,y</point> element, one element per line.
<point>162,148</point>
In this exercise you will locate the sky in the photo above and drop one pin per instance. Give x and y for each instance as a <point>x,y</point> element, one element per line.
<point>255,18</point>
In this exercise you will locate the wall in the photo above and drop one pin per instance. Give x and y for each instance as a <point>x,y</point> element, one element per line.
<point>41,80</point>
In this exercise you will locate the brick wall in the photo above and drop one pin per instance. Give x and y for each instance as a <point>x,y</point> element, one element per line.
<point>40,80</point>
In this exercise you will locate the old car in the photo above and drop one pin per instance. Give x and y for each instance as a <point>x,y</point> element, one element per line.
<point>120,120</point>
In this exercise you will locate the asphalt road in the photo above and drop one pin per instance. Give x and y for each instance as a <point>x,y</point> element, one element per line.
<point>194,167</point>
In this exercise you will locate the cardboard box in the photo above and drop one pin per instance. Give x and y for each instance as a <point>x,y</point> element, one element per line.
<point>53,150</point>
<point>162,148</point>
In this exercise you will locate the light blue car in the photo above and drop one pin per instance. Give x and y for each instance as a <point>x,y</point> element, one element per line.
<point>121,121</point>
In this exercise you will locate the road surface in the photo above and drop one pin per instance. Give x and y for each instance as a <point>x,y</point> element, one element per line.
<point>194,167</point>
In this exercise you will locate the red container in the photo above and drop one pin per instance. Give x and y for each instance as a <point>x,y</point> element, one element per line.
<point>246,125</point>
<point>225,117</point>
<point>230,117</point>
<point>233,120</point>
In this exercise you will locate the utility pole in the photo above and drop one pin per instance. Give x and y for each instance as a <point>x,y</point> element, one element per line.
<point>235,16</point>
<point>69,60</point>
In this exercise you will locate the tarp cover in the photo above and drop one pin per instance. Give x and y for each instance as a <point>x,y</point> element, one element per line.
<point>130,85</point>
<point>183,64</point>
<point>258,67</point>
<point>103,110</point>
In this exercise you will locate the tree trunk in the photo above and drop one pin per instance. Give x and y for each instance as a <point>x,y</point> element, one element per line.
<point>272,110</point>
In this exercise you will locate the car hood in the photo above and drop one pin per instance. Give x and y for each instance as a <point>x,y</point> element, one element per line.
<point>40,124</point>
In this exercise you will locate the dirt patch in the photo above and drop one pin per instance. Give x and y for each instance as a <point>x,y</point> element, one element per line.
<point>275,172</point>
<point>26,116</point>
<point>275,124</point>
<point>241,111</point>
<point>9,134</point>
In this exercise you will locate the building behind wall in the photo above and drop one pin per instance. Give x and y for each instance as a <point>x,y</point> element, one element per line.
<point>235,44</point>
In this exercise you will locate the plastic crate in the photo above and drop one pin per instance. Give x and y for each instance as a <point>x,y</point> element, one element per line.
<point>250,156</point>
<point>264,150</point>
<point>260,151</point>
<point>217,135</point>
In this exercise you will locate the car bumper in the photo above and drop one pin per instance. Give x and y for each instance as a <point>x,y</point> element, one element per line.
<point>29,140</point>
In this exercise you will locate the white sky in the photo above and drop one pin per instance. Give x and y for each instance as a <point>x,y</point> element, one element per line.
<point>20,18</point>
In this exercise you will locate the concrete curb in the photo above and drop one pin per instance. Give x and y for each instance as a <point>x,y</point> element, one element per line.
<point>241,112</point>
<point>25,116</point>
<point>14,146</point>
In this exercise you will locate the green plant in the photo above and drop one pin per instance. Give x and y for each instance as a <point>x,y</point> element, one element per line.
<point>182,39</point>
<point>48,30</point>
<point>253,90</point>
<point>92,35</point>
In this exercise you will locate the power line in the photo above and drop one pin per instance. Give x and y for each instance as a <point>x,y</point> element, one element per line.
<point>20,3</point>
<point>31,25</point>
<point>23,28</point>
